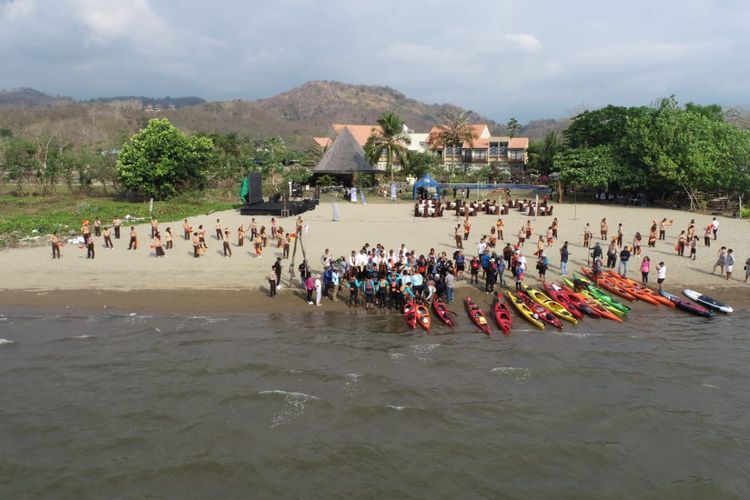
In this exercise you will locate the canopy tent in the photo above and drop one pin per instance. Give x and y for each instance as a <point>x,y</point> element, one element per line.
<point>425,182</point>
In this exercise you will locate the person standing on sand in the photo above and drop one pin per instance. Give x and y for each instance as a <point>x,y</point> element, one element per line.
<point>720,261</point>
<point>258,245</point>
<point>299,226</point>
<point>271,282</point>
<point>519,277</point>
<point>747,269</point>
<point>55,242</point>
<point>624,259</point>
<point>500,226</point>
<point>612,254</point>
<point>158,249</point>
<point>529,229</point>
<point>645,269</point>
<point>197,246</point>
<point>108,238</point>
<point>587,236</point>
<point>116,223</point>
<point>652,234</point>
<point>637,244</point>
<point>133,245</point>
<point>715,227</point>
<point>681,242</point>
<point>542,264</point>
<point>86,231</point>
<point>457,235</point>
<point>729,265</point>
<point>97,227</point>
<point>241,236</point>
<point>263,236</point>
<point>521,236</point>
<point>318,290</point>
<point>227,248</point>
<point>619,234</point>
<point>186,229</point>
<point>202,236</point>
<point>218,230</point>
<point>707,235</point>
<point>154,227</point>
<point>550,236</point>
<point>253,229</point>
<point>277,268</point>
<point>564,254</point>
<point>285,245</point>
<point>90,248</point>
<point>693,247</point>
<point>467,228</point>
<point>168,238</point>
<point>555,227</point>
<point>604,228</point>
<point>661,274</point>
<point>335,284</point>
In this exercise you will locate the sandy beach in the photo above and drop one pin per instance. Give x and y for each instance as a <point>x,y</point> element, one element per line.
<point>118,277</point>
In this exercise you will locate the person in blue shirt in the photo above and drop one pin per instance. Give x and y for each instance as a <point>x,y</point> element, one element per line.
<point>417,284</point>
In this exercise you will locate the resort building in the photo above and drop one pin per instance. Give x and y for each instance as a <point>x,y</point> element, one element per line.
<point>484,150</point>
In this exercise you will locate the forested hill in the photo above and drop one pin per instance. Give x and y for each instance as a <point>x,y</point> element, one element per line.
<point>296,115</point>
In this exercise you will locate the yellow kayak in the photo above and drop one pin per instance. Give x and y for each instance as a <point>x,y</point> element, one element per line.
<point>524,310</point>
<point>555,307</point>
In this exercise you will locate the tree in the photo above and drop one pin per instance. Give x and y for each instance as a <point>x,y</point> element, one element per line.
<point>453,132</point>
<point>160,160</point>
<point>542,153</point>
<point>390,140</point>
<point>18,158</point>
<point>513,127</point>
<point>419,163</point>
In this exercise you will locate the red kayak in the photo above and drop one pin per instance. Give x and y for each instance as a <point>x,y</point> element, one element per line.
<point>410,314</point>
<point>423,317</point>
<point>542,312</point>
<point>442,312</point>
<point>502,314</point>
<point>558,294</point>
<point>477,316</point>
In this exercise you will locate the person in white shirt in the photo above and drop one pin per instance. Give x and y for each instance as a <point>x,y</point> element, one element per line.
<point>318,290</point>
<point>481,247</point>
<point>661,273</point>
<point>715,226</point>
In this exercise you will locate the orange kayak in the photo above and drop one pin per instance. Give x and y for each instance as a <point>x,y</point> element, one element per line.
<point>641,291</point>
<point>604,313</point>
<point>609,284</point>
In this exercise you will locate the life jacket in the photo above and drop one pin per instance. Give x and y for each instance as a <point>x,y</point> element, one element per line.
<point>369,287</point>
<point>475,264</point>
<point>394,286</point>
<point>352,285</point>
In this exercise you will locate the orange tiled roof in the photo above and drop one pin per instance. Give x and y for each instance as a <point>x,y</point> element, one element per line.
<point>476,130</point>
<point>360,132</point>
<point>323,142</point>
<point>518,143</point>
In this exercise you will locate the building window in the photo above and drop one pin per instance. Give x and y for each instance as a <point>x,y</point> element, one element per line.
<point>479,155</point>
<point>517,154</point>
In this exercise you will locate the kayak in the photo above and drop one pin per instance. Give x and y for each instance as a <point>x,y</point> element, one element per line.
<point>584,291</point>
<point>477,316</point>
<point>687,305</point>
<point>592,303</point>
<point>542,312</point>
<point>442,312</point>
<point>554,307</point>
<point>410,314</point>
<point>502,314</point>
<point>609,284</point>
<point>524,311</point>
<point>707,301</point>
<point>423,317</point>
<point>640,291</point>
<point>574,306</point>
<point>603,297</point>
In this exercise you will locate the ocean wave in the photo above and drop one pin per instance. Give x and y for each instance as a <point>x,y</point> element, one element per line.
<point>425,348</point>
<point>518,373</point>
<point>208,319</point>
<point>82,337</point>
<point>295,405</point>
<point>403,408</point>
<point>6,341</point>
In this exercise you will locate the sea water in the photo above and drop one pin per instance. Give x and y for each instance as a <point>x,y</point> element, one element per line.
<point>337,405</point>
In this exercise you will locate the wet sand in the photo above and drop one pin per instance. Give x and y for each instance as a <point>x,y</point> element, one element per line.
<point>136,279</point>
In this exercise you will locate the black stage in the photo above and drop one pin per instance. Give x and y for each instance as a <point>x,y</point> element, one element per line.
<point>275,208</point>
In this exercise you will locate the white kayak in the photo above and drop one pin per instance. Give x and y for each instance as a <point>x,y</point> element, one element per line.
<point>707,301</point>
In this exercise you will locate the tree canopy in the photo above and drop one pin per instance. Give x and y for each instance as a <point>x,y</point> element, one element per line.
<point>391,140</point>
<point>160,160</point>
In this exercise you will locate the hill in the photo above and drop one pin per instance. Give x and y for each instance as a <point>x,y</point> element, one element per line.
<point>29,97</point>
<point>297,114</point>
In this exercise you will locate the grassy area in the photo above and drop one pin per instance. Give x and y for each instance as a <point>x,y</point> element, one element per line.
<point>25,216</point>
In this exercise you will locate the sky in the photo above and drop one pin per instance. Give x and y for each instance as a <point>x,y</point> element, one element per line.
<point>527,59</point>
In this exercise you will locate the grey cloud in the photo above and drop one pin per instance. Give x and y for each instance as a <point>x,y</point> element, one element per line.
<point>501,58</point>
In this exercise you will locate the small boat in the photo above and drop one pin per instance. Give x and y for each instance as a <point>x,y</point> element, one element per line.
<point>593,304</point>
<point>575,307</point>
<point>477,316</point>
<point>707,301</point>
<point>502,314</point>
<point>554,307</point>
<point>610,284</point>
<point>687,305</point>
<point>603,297</point>
<point>640,291</point>
<point>542,312</point>
<point>423,317</point>
<point>524,310</point>
<point>410,314</point>
<point>442,312</point>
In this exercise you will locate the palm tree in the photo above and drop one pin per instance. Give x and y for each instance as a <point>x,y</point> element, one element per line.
<point>453,132</point>
<point>390,139</point>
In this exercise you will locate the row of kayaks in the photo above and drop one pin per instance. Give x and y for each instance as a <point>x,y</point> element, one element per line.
<point>577,297</point>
